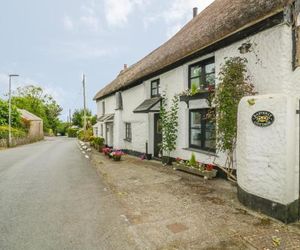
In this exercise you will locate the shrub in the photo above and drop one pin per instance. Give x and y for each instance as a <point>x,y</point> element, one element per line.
<point>17,133</point>
<point>72,132</point>
<point>99,141</point>
<point>193,161</point>
<point>85,136</point>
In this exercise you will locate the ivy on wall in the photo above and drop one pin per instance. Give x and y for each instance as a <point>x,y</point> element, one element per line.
<point>233,85</point>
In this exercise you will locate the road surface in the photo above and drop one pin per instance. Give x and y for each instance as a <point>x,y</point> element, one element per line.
<point>51,198</point>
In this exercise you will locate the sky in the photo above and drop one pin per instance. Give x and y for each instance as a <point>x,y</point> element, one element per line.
<point>51,43</point>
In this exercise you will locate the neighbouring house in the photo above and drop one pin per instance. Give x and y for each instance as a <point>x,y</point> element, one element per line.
<point>267,34</point>
<point>35,124</point>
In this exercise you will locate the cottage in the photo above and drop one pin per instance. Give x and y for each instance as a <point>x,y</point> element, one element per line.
<point>267,34</point>
<point>35,124</point>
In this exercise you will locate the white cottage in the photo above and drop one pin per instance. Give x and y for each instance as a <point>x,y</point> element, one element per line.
<point>265,32</point>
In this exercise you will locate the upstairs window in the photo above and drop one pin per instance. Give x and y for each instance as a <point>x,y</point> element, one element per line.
<point>128,134</point>
<point>202,74</point>
<point>155,89</point>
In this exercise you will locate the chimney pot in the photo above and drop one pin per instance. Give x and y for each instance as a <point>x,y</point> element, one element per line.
<point>125,66</point>
<point>195,12</point>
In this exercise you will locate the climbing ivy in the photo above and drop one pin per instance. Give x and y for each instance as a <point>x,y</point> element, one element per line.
<point>233,85</point>
<point>169,123</point>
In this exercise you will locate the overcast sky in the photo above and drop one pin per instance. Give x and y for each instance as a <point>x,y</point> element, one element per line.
<point>51,42</point>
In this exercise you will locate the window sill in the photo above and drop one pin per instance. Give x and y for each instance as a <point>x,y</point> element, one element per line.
<point>201,151</point>
<point>127,140</point>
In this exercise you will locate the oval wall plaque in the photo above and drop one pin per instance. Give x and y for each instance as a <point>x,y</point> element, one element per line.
<point>263,118</point>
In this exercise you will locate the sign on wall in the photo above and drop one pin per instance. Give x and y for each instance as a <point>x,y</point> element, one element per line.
<point>263,118</point>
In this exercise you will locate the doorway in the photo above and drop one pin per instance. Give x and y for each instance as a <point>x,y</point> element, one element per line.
<point>157,136</point>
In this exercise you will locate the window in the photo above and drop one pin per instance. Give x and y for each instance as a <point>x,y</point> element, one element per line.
<point>103,108</point>
<point>96,131</point>
<point>101,130</point>
<point>202,132</point>
<point>128,134</point>
<point>155,88</point>
<point>202,74</point>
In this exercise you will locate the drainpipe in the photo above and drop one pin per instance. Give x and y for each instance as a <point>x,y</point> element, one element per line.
<point>298,113</point>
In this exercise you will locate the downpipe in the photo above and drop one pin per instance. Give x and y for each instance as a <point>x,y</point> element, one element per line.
<point>298,113</point>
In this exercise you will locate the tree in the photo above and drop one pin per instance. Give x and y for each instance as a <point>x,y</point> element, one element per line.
<point>15,115</point>
<point>78,118</point>
<point>43,105</point>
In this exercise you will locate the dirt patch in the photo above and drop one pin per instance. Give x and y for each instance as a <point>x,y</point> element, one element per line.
<point>177,228</point>
<point>168,210</point>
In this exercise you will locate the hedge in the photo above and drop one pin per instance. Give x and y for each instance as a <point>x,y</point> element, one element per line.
<point>15,132</point>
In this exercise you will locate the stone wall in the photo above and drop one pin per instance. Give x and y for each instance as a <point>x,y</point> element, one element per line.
<point>19,141</point>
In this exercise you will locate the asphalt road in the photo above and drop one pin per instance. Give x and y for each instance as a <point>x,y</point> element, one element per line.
<point>51,198</point>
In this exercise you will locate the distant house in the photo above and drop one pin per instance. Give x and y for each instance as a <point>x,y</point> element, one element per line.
<point>35,124</point>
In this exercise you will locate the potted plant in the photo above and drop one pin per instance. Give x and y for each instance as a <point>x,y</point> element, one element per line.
<point>99,143</point>
<point>106,151</point>
<point>195,167</point>
<point>117,155</point>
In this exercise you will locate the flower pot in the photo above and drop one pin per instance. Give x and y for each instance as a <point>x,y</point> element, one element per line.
<point>148,156</point>
<point>117,158</point>
<point>166,160</point>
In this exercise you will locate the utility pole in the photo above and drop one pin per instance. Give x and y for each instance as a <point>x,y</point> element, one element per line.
<point>84,103</point>
<point>70,116</point>
<point>9,108</point>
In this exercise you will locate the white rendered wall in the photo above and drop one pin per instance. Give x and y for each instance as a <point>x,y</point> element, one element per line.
<point>132,98</point>
<point>270,69</point>
<point>266,161</point>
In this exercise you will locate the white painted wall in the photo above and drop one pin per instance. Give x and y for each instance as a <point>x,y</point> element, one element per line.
<point>270,70</point>
<point>267,166</point>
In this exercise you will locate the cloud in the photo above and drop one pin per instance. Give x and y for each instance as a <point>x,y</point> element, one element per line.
<point>117,11</point>
<point>68,23</point>
<point>89,18</point>
<point>177,15</point>
<point>91,22</point>
<point>79,50</point>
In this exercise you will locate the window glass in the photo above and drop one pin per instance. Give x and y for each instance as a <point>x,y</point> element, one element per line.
<point>210,79</point>
<point>155,88</point>
<point>196,120</point>
<point>195,71</point>
<point>210,68</point>
<point>128,135</point>
<point>202,74</point>
<point>210,135</point>
<point>196,82</point>
<point>202,131</point>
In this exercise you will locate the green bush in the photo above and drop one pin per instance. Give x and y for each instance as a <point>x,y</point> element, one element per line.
<point>85,136</point>
<point>193,161</point>
<point>17,133</point>
<point>72,132</point>
<point>99,141</point>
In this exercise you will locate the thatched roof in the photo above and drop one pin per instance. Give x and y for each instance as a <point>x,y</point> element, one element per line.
<point>219,20</point>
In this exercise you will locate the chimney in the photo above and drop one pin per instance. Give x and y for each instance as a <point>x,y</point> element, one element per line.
<point>125,66</point>
<point>195,12</point>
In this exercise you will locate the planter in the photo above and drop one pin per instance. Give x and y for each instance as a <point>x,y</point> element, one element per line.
<point>148,156</point>
<point>116,158</point>
<point>100,149</point>
<point>209,174</point>
<point>166,160</point>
